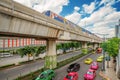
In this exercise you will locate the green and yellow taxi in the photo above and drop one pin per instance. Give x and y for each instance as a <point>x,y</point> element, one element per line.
<point>100,59</point>
<point>46,75</point>
<point>88,61</point>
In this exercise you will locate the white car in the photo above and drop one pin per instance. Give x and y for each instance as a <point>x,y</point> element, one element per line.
<point>5,54</point>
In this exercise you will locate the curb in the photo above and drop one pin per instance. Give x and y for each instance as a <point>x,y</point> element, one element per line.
<point>104,76</point>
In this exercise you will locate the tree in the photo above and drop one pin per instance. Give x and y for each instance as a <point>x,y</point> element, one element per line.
<point>40,50</point>
<point>58,46</point>
<point>25,51</point>
<point>104,46</point>
<point>72,45</point>
<point>31,51</point>
<point>113,47</point>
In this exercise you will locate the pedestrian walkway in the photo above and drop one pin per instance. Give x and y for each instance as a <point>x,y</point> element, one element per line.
<point>109,73</point>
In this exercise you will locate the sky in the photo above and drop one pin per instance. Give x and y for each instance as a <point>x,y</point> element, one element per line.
<point>97,16</point>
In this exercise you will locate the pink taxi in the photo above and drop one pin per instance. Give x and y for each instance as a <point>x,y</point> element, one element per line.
<point>90,75</point>
<point>94,66</point>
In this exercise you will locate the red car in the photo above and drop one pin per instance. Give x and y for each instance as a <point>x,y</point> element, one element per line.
<point>94,66</point>
<point>71,76</point>
<point>99,50</point>
<point>90,75</point>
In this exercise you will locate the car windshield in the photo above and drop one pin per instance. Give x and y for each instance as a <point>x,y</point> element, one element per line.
<point>69,77</point>
<point>72,65</point>
<point>89,72</point>
<point>41,76</point>
<point>88,59</point>
<point>94,64</point>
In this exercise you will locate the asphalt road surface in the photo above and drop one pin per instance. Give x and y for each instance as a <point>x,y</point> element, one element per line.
<point>12,73</point>
<point>61,72</point>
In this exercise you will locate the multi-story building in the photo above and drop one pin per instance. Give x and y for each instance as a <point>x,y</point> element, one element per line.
<point>10,43</point>
<point>117,33</point>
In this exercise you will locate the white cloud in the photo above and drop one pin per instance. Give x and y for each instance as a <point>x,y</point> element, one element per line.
<point>114,16</point>
<point>109,2</point>
<point>102,21</point>
<point>25,2</point>
<point>97,16</point>
<point>103,29</point>
<point>104,2</point>
<point>76,8</point>
<point>42,5</point>
<point>89,8</point>
<point>75,17</point>
<point>107,26</point>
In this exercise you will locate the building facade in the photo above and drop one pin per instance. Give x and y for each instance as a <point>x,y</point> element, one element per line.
<point>117,33</point>
<point>9,43</point>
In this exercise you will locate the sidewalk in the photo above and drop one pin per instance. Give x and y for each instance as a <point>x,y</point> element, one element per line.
<point>109,73</point>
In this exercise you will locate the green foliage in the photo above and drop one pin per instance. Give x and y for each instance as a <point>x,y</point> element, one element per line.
<point>2,51</point>
<point>59,46</point>
<point>111,46</point>
<point>39,50</point>
<point>104,46</point>
<point>67,46</point>
<point>22,52</point>
<point>84,51</point>
<point>76,45</point>
<point>30,50</point>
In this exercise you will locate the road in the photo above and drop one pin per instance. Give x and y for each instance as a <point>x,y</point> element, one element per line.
<point>16,59</point>
<point>12,73</point>
<point>61,72</point>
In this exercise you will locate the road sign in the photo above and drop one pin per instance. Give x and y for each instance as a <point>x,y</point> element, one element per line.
<point>107,58</point>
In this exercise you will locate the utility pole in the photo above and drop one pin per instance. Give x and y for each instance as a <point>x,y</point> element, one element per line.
<point>117,30</point>
<point>103,52</point>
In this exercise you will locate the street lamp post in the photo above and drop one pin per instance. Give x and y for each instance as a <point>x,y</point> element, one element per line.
<point>103,52</point>
<point>103,67</point>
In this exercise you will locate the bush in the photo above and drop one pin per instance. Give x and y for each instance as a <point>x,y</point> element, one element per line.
<point>84,51</point>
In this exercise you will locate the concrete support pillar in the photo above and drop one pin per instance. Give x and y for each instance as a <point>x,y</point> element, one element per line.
<point>95,45</point>
<point>98,44</point>
<point>50,59</point>
<point>84,48</point>
<point>84,45</point>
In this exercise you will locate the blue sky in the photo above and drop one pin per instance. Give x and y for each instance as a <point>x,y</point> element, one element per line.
<point>97,16</point>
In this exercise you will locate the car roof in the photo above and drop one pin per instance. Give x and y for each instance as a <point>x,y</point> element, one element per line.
<point>94,62</point>
<point>71,73</point>
<point>73,64</point>
<point>90,70</point>
<point>88,58</point>
<point>47,71</point>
